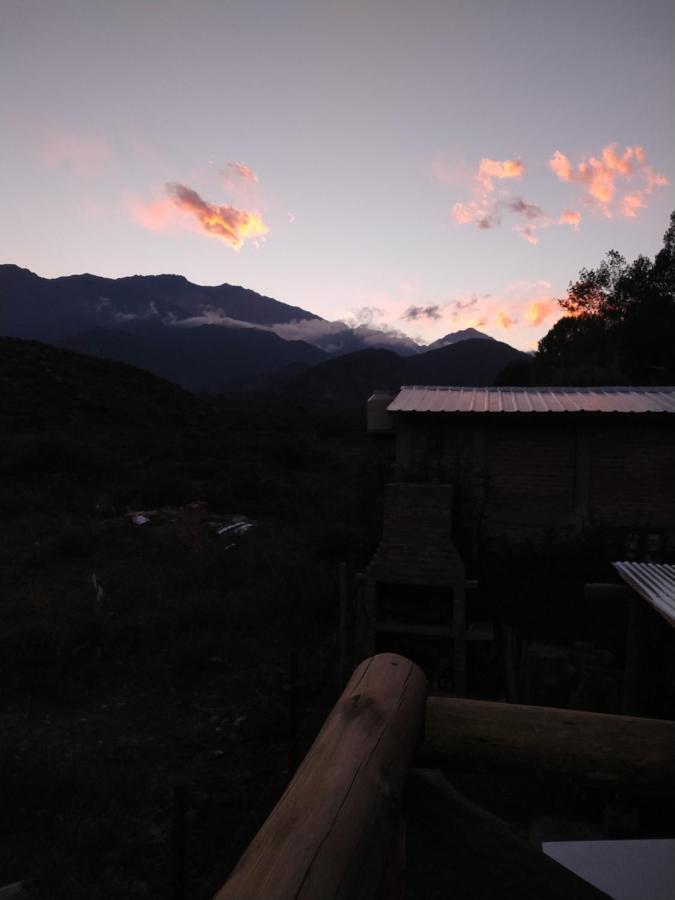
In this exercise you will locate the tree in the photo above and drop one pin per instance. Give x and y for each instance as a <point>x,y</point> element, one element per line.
<point>620,323</point>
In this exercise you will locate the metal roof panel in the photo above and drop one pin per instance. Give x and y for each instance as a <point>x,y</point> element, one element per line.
<point>451,399</point>
<point>653,581</point>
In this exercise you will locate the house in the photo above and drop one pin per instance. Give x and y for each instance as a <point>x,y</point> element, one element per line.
<point>529,460</point>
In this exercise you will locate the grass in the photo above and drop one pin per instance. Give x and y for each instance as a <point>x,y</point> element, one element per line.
<point>179,671</point>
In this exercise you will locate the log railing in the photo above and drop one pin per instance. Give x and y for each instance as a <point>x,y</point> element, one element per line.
<point>336,827</point>
<point>337,831</point>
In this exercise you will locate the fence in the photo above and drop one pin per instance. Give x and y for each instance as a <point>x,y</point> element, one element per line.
<point>338,830</point>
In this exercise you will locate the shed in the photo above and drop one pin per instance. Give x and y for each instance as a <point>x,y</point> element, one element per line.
<point>538,458</point>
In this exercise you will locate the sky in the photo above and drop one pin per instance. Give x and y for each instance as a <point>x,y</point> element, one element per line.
<point>422,166</point>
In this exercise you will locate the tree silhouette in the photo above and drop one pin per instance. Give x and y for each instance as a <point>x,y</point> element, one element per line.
<point>619,327</point>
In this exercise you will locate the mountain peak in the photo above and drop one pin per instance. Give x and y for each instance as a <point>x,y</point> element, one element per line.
<point>464,334</point>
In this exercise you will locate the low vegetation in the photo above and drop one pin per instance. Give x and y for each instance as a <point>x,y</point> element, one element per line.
<point>137,656</point>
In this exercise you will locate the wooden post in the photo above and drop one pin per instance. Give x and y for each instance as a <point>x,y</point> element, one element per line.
<point>330,834</point>
<point>564,742</point>
<point>467,851</point>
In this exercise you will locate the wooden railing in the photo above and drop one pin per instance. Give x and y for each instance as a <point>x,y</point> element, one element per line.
<point>337,831</point>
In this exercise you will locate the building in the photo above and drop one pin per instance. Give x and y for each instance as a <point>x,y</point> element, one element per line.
<point>524,461</point>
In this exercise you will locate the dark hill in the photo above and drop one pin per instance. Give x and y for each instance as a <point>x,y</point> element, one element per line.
<point>44,386</point>
<point>204,358</point>
<point>348,381</point>
<point>469,362</point>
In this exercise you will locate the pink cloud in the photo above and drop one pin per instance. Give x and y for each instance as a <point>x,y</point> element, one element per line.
<point>486,207</point>
<point>183,205</point>
<point>527,232</point>
<point>570,217</point>
<point>489,169</point>
<point>630,204</point>
<point>599,177</point>
<point>157,215</point>
<point>233,171</point>
<point>83,155</point>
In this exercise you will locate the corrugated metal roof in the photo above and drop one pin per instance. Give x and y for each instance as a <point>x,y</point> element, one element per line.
<point>449,399</point>
<point>655,582</point>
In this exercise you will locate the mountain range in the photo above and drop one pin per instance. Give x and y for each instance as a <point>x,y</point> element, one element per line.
<point>226,337</point>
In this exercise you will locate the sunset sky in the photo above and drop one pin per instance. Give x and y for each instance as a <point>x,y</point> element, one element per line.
<point>424,165</point>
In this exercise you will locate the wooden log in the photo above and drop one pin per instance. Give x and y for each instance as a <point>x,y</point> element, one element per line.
<point>462,850</point>
<point>331,833</point>
<point>564,742</point>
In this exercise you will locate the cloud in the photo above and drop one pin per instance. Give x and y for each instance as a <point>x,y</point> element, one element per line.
<point>630,203</point>
<point>524,303</point>
<point>489,169</point>
<point>156,215</point>
<point>476,322</point>
<point>83,155</point>
<point>570,217</point>
<point>364,315</point>
<point>529,210</point>
<point>486,208</point>
<point>599,177</point>
<point>527,231</point>
<point>233,171</point>
<point>413,313</point>
<point>234,226</point>
<point>538,310</point>
<point>504,320</point>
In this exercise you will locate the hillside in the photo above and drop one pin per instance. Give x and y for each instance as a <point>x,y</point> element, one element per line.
<point>176,668</point>
<point>204,358</point>
<point>347,382</point>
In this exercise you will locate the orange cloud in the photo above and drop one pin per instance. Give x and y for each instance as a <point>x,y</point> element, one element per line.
<point>598,175</point>
<point>488,169</point>
<point>234,226</point>
<point>183,206</point>
<point>538,310</point>
<point>570,217</point>
<point>504,320</point>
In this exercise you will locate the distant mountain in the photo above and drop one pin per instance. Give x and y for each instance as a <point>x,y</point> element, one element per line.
<point>204,358</point>
<point>54,309</point>
<point>223,337</point>
<point>348,381</point>
<point>66,310</point>
<point>464,334</point>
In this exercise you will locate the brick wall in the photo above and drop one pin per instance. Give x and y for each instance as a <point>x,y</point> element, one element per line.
<point>633,474</point>
<point>540,471</point>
